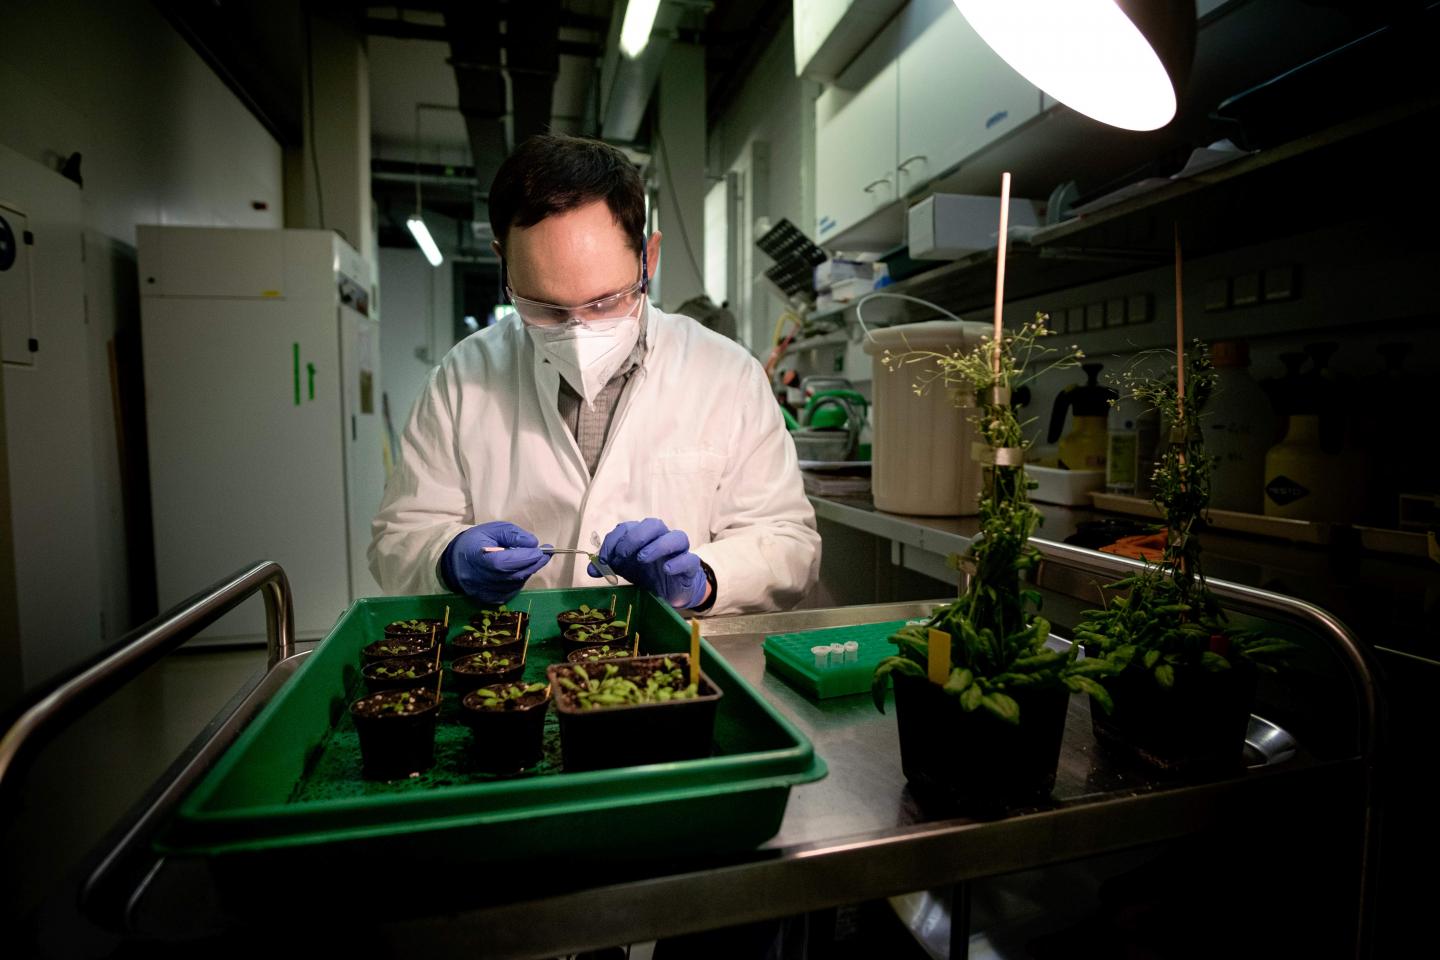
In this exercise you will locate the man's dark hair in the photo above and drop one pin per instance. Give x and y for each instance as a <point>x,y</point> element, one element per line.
<point>550,174</point>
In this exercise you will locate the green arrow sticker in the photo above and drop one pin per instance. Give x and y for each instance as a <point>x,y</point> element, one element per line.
<point>295,353</point>
<point>310,369</point>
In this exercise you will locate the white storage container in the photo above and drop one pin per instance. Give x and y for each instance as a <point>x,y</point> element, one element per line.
<point>948,226</point>
<point>920,455</point>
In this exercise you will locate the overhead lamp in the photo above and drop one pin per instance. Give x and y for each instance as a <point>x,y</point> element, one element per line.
<point>421,233</point>
<point>635,30</point>
<point>1122,62</point>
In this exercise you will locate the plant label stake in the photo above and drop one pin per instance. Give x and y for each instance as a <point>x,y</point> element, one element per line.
<point>612,606</point>
<point>517,628</point>
<point>526,648</point>
<point>635,650</point>
<point>432,634</point>
<point>939,660</point>
<point>695,651</point>
<point>1000,266</point>
<point>447,616</point>
<point>629,608</point>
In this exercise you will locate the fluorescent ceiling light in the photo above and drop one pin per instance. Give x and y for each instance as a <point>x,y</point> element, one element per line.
<point>1085,53</point>
<point>421,233</point>
<point>639,21</point>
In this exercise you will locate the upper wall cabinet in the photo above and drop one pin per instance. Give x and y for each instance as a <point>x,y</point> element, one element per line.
<point>829,34</point>
<point>956,96</point>
<point>925,95</point>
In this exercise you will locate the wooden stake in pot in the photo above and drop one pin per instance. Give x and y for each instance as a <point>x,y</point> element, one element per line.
<point>1000,269</point>
<point>694,651</point>
<point>629,609</point>
<point>612,606</point>
<point>447,616</point>
<point>635,650</point>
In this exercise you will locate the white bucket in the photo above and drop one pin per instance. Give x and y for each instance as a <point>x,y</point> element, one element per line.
<point>920,452</point>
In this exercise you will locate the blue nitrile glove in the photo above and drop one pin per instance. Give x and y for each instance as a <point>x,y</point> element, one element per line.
<point>493,576</point>
<point>656,558</point>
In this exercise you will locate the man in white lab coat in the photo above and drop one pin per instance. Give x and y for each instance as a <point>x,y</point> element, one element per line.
<point>591,414</point>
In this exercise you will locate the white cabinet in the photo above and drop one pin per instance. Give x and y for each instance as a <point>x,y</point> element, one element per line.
<point>831,33</point>
<point>926,95</point>
<point>855,140</point>
<point>956,95</point>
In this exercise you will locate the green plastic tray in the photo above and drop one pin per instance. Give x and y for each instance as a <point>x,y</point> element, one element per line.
<point>290,784</point>
<point>788,656</point>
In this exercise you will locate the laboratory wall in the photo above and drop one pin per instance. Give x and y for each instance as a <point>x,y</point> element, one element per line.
<point>766,135</point>
<point>417,325</point>
<point>160,140</point>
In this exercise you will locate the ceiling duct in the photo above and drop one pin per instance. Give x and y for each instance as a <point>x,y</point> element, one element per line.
<point>531,61</point>
<point>626,84</point>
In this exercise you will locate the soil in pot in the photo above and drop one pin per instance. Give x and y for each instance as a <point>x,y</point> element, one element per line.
<point>399,674</point>
<point>605,651</point>
<point>586,635</point>
<point>498,639</point>
<point>507,725</point>
<point>416,628</point>
<point>486,667</point>
<point>1197,725</point>
<point>584,614</point>
<point>975,762</point>
<point>621,713</point>
<point>397,732</point>
<point>396,649</point>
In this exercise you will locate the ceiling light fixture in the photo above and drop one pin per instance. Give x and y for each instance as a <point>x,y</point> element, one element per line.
<point>635,30</point>
<point>416,223</point>
<point>1122,62</point>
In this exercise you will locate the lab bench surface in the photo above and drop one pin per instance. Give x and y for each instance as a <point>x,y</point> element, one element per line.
<point>857,835</point>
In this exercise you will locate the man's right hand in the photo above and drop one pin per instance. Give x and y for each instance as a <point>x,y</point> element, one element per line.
<point>492,561</point>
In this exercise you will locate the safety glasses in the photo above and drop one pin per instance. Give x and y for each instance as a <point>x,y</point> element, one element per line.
<point>606,310</point>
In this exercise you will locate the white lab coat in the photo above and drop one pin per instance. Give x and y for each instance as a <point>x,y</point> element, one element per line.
<point>697,441</point>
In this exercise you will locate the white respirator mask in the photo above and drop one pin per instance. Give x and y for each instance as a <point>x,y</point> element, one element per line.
<point>588,353</point>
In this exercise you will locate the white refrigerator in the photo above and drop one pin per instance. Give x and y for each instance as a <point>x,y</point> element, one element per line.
<point>262,407</point>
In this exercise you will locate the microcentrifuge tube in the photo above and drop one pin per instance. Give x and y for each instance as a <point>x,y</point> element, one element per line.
<point>837,654</point>
<point>822,656</point>
<point>852,651</point>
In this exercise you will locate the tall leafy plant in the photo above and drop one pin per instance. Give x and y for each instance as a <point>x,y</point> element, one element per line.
<point>1167,619</point>
<point>997,634</point>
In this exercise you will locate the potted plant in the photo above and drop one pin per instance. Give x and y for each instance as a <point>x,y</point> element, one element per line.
<point>402,648</point>
<point>505,637</point>
<point>585,615</point>
<point>486,667</point>
<point>588,635</point>
<point>501,618</point>
<point>398,674</point>
<point>634,711</point>
<point>423,628</point>
<point>980,724</point>
<point>1181,679</point>
<point>507,723</point>
<point>397,732</point>
<point>605,651</point>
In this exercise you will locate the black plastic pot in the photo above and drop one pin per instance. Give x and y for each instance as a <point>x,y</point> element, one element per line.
<point>976,762</point>
<point>604,651</point>
<point>395,746</point>
<point>397,649</point>
<point>502,619</point>
<point>611,633</point>
<point>567,619</point>
<point>1199,724</point>
<point>470,671</point>
<point>625,736</point>
<point>508,739</point>
<point>507,643</point>
<point>425,677</point>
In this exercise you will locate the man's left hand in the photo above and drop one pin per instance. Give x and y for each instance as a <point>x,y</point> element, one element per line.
<point>652,556</point>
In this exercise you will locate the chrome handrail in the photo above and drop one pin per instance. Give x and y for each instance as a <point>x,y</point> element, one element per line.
<point>141,648</point>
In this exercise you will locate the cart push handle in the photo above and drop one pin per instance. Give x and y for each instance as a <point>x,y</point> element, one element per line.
<point>90,683</point>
